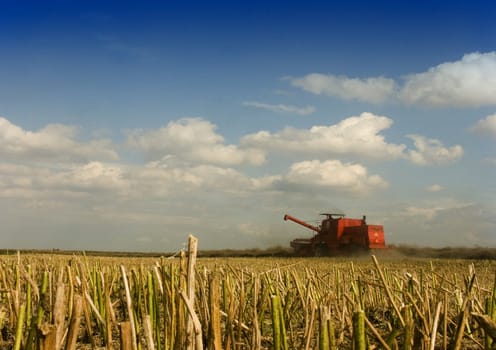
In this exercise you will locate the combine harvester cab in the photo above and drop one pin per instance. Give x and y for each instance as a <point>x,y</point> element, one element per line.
<point>338,235</point>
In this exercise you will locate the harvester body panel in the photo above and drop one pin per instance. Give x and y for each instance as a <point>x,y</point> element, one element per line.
<point>337,234</point>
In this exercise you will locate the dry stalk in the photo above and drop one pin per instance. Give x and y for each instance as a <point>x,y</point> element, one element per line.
<point>196,322</point>
<point>388,291</point>
<point>148,332</point>
<point>192,251</point>
<point>75,323</point>
<point>126,336</point>
<point>59,314</point>
<point>215,336</point>
<point>130,311</point>
<point>434,327</point>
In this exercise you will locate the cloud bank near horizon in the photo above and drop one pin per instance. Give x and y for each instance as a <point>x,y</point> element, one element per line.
<point>187,162</point>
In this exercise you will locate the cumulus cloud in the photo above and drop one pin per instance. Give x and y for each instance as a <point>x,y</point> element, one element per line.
<point>93,176</point>
<point>162,177</point>
<point>375,90</point>
<point>470,81</point>
<point>191,169</point>
<point>432,152</point>
<point>36,181</point>
<point>193,139</point>
<point>99,181</point>
<point>333,175</point>
<point>55,141</point>
<point>358,135</point>
<point>486,126</point>
<point>281,108</point>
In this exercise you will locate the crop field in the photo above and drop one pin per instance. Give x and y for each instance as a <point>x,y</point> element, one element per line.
<point>184,302</point>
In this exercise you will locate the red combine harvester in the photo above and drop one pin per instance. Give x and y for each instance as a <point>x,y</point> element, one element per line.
<point>337,235</point>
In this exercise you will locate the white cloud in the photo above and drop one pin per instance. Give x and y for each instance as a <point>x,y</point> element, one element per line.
<point>425,213</point>
<point>434,188</point>
<point>93,176</point>
<point>109,185</point>
<point>188,183</point>
<point>358,135</point>
<point>55,141</point>
<point>98,182</point>
<point>429,211</point>
<point>334,175</point>
<point>192,139</point>
<point>191,159</point>
<point>375,90</point>
<point>432,210</point>
<point>486,126</point>
<point>160,178</point>
<point>470,81</point>
<point>34,181</point>
<point>432,152</point>
<point>281,108</point>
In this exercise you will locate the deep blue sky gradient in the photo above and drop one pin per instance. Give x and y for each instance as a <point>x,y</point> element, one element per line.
<point>129,58</point>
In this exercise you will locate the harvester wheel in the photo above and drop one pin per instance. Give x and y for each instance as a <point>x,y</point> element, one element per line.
<point>305,252</point>
<point>321,250</point>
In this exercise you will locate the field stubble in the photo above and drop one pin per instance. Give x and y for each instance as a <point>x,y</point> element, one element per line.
<point>80,302</point>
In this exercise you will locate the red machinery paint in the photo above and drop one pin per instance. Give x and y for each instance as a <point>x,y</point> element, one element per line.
<point>337,234</point>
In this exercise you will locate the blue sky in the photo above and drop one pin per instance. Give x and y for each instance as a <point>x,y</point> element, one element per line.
<point>129,125</point>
